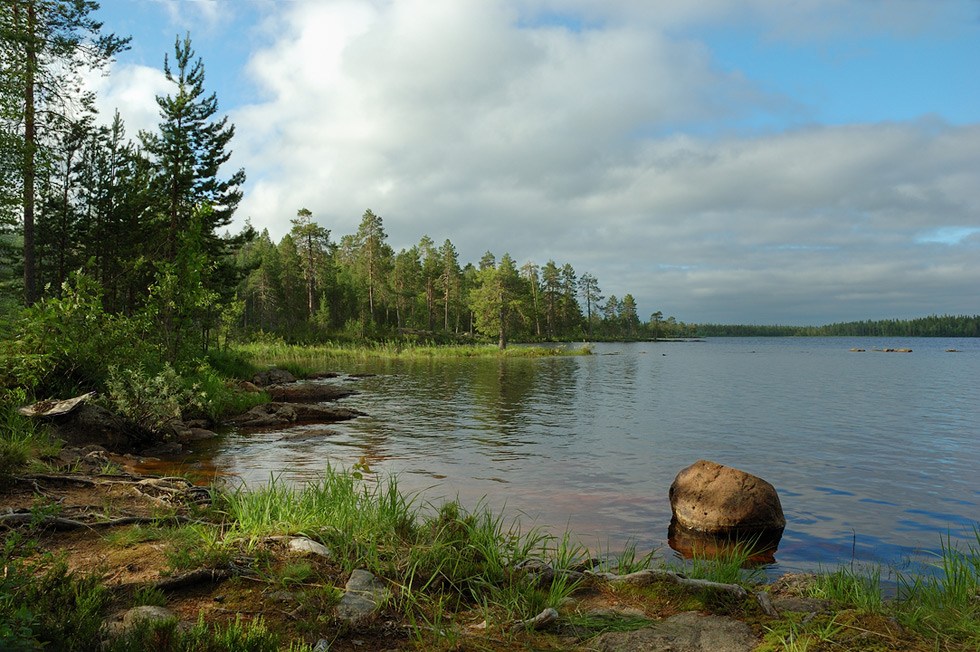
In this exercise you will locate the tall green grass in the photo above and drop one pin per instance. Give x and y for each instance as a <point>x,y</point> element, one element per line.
<point>945,605</point>
<point>310,355</point>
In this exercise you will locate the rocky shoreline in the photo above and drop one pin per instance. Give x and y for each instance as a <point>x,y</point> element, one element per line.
<point>306,587</point>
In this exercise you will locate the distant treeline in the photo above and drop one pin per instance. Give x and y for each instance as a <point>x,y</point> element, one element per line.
<point>932,326</point>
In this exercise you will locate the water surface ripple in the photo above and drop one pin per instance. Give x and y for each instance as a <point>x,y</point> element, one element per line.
<point>875,455</point>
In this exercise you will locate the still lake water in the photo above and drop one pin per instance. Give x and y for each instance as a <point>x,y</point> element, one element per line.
<point>875,455</point>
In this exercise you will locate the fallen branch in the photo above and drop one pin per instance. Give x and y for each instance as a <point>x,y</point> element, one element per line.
<point>540,621</point>
<point>58,523</point>
<point>766,604</point>
<point>200,576</point>
<point>649,576</point>
<point>77,479</point>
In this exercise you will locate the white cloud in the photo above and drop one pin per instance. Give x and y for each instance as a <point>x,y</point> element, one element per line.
<point>469,121</point>
<point>132,89</point>
<point>196,15</point>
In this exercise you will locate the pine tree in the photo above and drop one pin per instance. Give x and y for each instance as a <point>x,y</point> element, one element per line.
<point>312,241</point>
<point>189,151</point>
<point>45,45</point>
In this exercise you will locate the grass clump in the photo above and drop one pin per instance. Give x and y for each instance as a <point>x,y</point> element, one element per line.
<point>846,587</point>
<point>43,604</point>
<point>240,635</point>
<point>945,606</point>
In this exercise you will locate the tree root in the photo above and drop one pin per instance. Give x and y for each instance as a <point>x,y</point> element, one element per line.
<point>58,523</point>
<point>649,576</point>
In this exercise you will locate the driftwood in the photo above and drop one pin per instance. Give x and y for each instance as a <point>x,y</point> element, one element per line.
<point>77,479</point>
<point>199,576</point>
<point>766,604</point>
<point>647,577</point>
<point>540,621</point>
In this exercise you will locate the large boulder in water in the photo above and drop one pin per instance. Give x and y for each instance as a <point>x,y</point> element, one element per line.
<point>709,497</point>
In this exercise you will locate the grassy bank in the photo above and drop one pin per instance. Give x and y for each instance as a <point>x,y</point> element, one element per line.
<point>454,578</point>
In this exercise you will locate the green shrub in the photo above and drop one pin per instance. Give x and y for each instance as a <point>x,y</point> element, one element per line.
<point>150,400</point>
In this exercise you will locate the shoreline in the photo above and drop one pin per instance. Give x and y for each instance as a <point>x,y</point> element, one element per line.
<point>155,550</point>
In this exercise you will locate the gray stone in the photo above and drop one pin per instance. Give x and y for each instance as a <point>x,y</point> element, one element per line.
<point>363,594</point>
<point>284,414</point>
<point>686,632</point>
<point>308,546</point>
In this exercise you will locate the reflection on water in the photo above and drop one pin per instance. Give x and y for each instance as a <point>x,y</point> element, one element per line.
<point>690,544</point>
<point>874,455</point>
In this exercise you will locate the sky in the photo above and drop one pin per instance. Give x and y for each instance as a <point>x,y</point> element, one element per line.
<point>723,161</point>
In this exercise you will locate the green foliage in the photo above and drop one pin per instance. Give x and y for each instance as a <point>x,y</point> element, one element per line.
<point>239,636</point>
<point>46,605</point>
<point>149,596</point>
<point>20,437</point>
<point>62,344</point>
<point>847,587</point>
<point>730,565</point>
<point>932,326</point>
<point>945,605</point>
<point>150,400</point>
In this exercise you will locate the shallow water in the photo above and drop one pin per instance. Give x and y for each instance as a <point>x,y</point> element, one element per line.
<point>875,455</point>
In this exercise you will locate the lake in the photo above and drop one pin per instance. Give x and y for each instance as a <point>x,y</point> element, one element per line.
<point>875,455</point>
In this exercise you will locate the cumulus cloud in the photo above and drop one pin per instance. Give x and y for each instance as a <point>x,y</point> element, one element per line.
<point>575,131</point>
<point>130,89</point>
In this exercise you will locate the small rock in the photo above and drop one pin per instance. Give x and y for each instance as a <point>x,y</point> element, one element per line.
<point>308,393</point>
<point>320,375</point>
<point>308,546</point>
<point>282,596</point>
<point>146,613</point>
<point>322,645</point>
<point>196,434</point>
<point>246,386</point>
<point>617,613</point>
<point>364,592</point>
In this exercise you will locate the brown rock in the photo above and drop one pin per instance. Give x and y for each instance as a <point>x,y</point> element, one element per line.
<point>308,393</point>
<point>273,377</point>
<point>710,497</point>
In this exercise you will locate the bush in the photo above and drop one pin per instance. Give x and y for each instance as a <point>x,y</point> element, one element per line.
<point>151,401</point>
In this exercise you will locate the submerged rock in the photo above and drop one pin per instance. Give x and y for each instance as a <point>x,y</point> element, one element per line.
<point>710,497</point>
<point>284,414</point>
<point>309,433</point>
